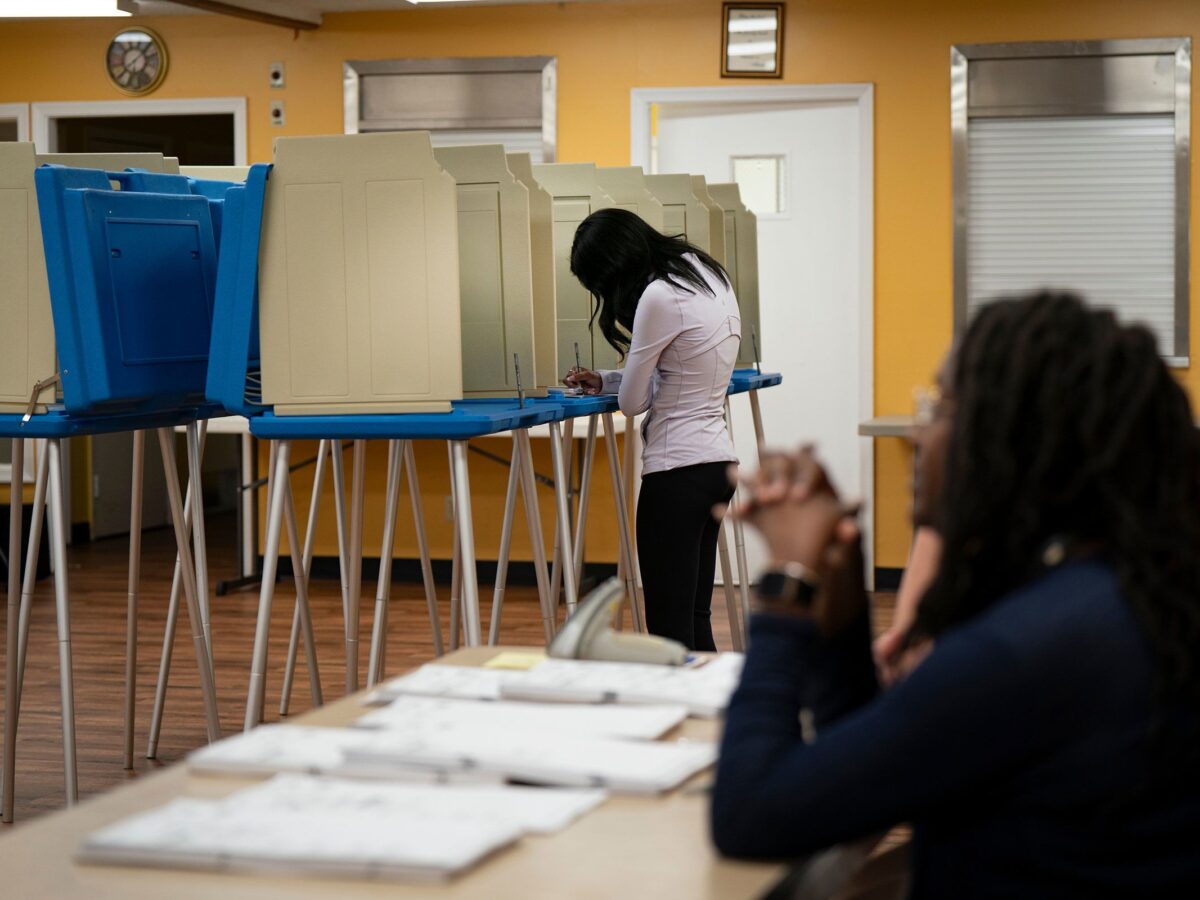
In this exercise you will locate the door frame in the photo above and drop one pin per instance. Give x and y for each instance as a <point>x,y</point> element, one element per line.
<point>20,112</point>
<point>45,114</point>
<point>641,151</point>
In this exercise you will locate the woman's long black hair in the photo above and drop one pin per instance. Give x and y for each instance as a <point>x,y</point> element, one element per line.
<point>1067,424</point>
<point>615,255</point>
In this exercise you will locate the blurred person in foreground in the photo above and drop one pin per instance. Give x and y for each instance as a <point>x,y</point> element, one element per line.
<point>1047,742</point>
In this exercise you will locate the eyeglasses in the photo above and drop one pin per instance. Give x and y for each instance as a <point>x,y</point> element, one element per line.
<point>926,401</point>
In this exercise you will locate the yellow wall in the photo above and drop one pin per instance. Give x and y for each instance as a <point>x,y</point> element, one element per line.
<point>603,51</point>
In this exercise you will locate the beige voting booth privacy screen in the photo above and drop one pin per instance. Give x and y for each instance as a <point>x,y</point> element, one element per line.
<point>683,213</point>
<point>541,241</point>
<point>716,219</point>
<point>627,187</point>
<point>27,335</point>
<point>577,194</point>
<point>111,162</point>
<point>494,270</point>
<point>741,252</point>
<point>27,353</point>
<point>358,284</point>
<point>216,173</point>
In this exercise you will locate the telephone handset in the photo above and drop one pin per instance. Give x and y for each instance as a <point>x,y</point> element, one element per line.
<point>587,634</point>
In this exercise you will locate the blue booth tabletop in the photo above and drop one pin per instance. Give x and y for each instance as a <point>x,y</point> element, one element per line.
<point>467,419</point>
<point>57,423</point>
<point>744,380</point>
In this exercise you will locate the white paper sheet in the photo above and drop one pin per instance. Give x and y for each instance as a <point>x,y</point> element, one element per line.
<point>537,757</point>
<point>428,713</point>
<point>704,690</point>
<point>463,682</point>
<point>301,823</point>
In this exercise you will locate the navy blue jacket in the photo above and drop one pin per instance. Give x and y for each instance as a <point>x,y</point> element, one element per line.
<point>1020,750</point>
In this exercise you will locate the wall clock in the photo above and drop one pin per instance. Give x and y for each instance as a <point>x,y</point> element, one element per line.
<point>136,61</point>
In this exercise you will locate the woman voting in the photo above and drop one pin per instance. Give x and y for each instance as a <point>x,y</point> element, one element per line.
<point>669,309</point>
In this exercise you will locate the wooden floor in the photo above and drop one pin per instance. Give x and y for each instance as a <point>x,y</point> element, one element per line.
<point>98,577</point>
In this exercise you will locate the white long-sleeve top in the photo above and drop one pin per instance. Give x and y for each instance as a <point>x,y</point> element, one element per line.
<point>681,356</point>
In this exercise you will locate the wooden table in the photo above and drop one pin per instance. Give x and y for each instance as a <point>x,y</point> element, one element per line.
<point>631,847</point>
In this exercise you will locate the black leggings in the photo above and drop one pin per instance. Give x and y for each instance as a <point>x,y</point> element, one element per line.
<point>677,549</point>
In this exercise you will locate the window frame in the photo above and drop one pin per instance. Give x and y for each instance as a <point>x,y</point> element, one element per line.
<point>961,57</point>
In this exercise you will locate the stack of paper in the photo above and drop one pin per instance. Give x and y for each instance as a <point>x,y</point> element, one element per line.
<point>704,690</point>
<point>433,713</point>
<point>464,682</point>
<point>272,749</point>
<point>306,825</point>
<point>535,757</point>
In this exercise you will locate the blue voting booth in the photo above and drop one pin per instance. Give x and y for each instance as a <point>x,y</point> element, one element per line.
<point>131,277</point>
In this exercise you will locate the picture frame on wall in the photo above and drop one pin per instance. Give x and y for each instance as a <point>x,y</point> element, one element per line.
<point>752,40</point>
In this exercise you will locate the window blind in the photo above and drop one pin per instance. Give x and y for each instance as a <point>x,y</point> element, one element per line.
<point>1079,203</point>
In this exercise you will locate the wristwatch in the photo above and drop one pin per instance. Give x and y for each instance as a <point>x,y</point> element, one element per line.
<point>790,583</point>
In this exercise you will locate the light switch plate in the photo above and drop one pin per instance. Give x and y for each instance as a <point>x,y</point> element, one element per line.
<point>275,74</point>
<point>278,117</point>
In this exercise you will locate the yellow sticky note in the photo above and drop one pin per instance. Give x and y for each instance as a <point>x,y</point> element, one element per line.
<point>514,659</point>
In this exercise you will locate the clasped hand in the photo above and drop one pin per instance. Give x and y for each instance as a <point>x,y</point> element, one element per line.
<point>791,502</point>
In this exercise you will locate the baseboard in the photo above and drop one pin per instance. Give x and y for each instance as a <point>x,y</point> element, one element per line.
<point>887,579</point>
<point>409,570</point>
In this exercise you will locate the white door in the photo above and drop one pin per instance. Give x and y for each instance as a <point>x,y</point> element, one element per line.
<point>815,264</point>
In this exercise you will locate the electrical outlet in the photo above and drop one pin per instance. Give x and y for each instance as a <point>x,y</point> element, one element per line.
<point>277,114</point>
<point>275,75</point>
<point>448,510</point>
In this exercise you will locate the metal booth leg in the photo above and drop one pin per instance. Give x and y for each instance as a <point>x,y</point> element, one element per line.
<point>628,561</point>
<point>62,606</point>
<point>384,588</point>
<point>585,491</point>
<point>533,520</point>
<point>510,507</point>
<point>131,606</point>
<point>731,598</point>
<point>277,478</point>
<point>16,499</point>
<point>168,647</point>
<point>739,537</point>
<point>208,688</point>
<point>354,582</point>
<point>310,649</point>
<point>466,540</point>
<point>414,491</point>
<point>570,587</point>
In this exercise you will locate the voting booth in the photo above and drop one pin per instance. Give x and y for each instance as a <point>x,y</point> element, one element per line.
<point>741,251</point>
<point>495,277</point>
<point>716,219</point>
<point>577,194</point>
<point>683,212</point>
<point>27,350</point>
<point>541,243</point>
<point>359,288</point>
<point>627,187</point>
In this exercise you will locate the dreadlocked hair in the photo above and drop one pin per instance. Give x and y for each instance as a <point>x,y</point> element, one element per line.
<point>616,254</point>
<point>1067,424</point>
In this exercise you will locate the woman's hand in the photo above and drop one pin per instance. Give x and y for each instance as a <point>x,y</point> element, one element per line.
<point>585,379</point>
<point>795,507</point>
